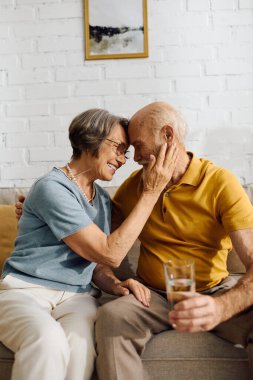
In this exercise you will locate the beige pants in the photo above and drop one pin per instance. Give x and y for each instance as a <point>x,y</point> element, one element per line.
<point>124,326</point>
<point>50,331</point>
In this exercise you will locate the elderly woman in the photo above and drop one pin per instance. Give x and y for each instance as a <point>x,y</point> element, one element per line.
<point>47,300</point>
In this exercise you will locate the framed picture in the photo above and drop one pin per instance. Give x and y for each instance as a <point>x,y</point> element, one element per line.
<point>115,29</point>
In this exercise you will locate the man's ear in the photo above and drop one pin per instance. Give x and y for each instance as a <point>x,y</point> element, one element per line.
<point>167,134</point>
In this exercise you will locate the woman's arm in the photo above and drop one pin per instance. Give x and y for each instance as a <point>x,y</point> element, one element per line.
<point>92,244</point>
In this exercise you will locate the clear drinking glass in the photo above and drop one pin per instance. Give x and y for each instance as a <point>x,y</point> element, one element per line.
<point>179,279</point>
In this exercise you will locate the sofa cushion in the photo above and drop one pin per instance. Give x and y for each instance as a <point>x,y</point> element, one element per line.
<point>8,231</point>
<point>178,356</point>
<point>128,267</point>
<point>206,345</point>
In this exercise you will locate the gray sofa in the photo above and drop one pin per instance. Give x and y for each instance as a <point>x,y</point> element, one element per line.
<point>169,355</point>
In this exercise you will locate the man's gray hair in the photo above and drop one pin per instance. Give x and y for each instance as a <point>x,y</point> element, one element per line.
<point>176,121</point>
<point>168,115</point>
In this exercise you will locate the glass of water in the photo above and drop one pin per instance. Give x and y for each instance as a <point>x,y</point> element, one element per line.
<point>179,279</point>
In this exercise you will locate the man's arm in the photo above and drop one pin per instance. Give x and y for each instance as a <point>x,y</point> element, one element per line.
<point>203,313</point>
<point>240,297</point>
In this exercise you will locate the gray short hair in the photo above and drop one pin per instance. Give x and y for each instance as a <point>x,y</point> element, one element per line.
<point>169,115</point>
<point>89,129</point>
<point>176,120</point>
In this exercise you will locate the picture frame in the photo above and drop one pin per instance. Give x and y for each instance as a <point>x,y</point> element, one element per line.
<point>115,29</point>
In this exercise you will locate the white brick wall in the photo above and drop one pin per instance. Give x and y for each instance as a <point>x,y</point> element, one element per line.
<point>201,60</point>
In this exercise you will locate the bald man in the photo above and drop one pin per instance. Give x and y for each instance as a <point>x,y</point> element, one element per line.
<point>202,212</point>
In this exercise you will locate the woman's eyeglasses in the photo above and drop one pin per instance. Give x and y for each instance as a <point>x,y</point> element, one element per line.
<point>120,148</point>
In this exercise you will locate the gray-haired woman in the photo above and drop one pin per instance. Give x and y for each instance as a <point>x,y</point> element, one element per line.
<point>47,301</point>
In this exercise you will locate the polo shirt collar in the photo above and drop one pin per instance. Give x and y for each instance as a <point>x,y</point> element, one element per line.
<point>193,172</point>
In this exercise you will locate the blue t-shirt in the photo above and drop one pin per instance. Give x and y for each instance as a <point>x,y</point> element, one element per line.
<point>53,210</point>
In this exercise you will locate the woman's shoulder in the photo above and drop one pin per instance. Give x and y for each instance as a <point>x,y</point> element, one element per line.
<point>52,182</point>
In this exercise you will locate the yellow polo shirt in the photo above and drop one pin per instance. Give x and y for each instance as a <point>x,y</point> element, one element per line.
<point>191,220</point>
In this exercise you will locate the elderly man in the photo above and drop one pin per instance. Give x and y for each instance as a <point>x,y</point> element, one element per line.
<point>200,212</point>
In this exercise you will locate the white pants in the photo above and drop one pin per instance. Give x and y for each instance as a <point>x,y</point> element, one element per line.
<point>50,331</point>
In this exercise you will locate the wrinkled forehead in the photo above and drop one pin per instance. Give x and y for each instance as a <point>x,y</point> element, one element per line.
<point>139,130</point>
<point>145,119</point>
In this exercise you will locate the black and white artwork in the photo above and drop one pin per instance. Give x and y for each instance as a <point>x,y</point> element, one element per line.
<point>116,28</point>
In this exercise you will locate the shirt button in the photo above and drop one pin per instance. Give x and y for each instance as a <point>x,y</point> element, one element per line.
<point>167,194</point>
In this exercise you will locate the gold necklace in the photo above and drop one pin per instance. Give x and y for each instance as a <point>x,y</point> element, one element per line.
<point>73,178</point>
